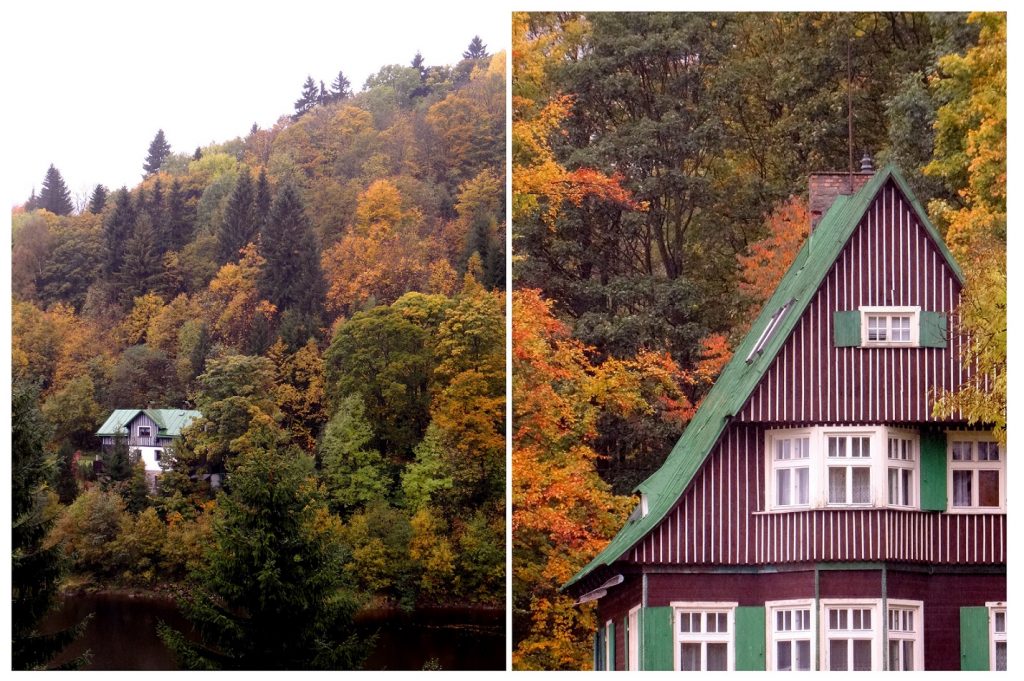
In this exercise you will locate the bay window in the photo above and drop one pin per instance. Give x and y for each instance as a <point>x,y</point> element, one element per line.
<point>901,464</point>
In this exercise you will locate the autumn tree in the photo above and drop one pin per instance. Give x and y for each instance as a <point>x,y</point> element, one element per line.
<point>768,259</point>
<point>970,157</point>
<point>159,149</point>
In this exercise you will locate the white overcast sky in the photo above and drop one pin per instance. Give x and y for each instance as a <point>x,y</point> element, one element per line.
<point>87,84</point>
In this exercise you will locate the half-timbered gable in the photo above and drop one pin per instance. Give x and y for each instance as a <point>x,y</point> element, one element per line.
<point>815,509</point>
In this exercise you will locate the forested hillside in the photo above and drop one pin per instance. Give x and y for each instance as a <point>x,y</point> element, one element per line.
<point>328,293</point>
<point>660,167</point>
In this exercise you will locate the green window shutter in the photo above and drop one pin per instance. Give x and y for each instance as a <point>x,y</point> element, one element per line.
<point>847,328</point>
<point>611,646</point>
<point>750,632</point>
<point>974,639</point>
<point>656,639</point>
<point>599,649</point>
<point>933,329</point>
<point>933,470</point>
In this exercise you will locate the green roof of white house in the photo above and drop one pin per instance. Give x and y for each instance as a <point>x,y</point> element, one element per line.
<point>169,421</point>
<point>739,378</point>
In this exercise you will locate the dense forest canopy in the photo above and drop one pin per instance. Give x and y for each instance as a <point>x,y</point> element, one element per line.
<point>659,170</point>
<point>328,293</point>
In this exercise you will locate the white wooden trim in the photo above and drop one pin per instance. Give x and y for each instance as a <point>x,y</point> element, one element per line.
<point>704,607</point>
<point>875,605</point>
<point>770,640</point>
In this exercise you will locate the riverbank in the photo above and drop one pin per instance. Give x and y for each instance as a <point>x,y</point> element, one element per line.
<point>122,634</point>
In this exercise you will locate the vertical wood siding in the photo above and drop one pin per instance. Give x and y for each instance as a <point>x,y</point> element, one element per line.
<point>134,441</point>
<point>889,261</point>
<point>717,521</point>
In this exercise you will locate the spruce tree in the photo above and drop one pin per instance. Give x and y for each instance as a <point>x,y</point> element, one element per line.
<point>197,154</point>
<point>476,50</point>
<point>158,217</point>
<point>341,88</point>
<point>98,200</point>
<point>241,223</point>
<point>291,279</point>
<point>117,229</point>
<point>263,199</point>
<point>159,150</point>
<point>177,227</point>
<point>33,201</point>
<point>35,567</point>
<point>271,593</point>
<point>54,195</point>
<point>323,97</point>
<point>67,485</point>
<point>142,268</point>
<point>310,95</point>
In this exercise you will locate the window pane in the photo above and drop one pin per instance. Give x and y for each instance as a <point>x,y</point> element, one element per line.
<point>862,447</point>
<point>837,447</point>
<point>783,657</point>
<point>803,656</point>
<point>723,622</point>
<point>988,451</point>
<point>802,448</point>
<point>1000,656</point>
<point>1000,624</point>
<point>782,450</point>
<point>962,487</point>
<point>962,451</point>
<point>894,656</point>
<point>782,487</point>
<point>837,485</point>
<point>690,657</point>
<point>803,485</point>
<point>894,485</point>
<point>988,488</point>
<point>861,656</point>
<point>718,657</point>
<point>837,656</point>
<point>908,656</point>
<point>908,480</point>
<point>861,485</point>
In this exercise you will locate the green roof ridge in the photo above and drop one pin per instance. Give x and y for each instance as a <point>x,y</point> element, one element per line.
<point>738,379</point>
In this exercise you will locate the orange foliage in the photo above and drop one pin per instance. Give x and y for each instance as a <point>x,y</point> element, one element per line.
<point>770,257</point>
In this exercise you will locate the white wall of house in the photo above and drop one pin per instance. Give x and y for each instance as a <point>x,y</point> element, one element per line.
<point>149,457</point>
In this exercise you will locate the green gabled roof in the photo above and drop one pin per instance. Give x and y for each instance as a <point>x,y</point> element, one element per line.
<point>170,422</point>
<point>738,379</point>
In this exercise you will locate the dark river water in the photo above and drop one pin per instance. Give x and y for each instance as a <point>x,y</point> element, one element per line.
<point>122,634</point>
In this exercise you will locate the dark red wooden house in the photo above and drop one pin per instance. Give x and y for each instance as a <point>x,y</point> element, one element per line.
<point>815,515</point>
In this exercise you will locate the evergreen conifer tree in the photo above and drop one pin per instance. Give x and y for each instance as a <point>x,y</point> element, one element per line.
<point>159,150</point>
<point>291,278</point>
<point>263,199</point>
<point>67,485</point>
<point>241,223</point>
<point>271,593</point>
<point>157,212</point>
<point>35,568</point>
<point>310,95</point>
<point>117,229</point>
<point>117,463</point>
<point>341,88</point>
<point>197,154</point>
<point>54,195</point>
<point>142,267</point>
<point>177,227</point>
<point>98,199</point>
<point>476,50</point>
<point>323,97</point>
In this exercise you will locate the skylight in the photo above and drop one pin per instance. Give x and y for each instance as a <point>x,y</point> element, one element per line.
<point>769,331</point>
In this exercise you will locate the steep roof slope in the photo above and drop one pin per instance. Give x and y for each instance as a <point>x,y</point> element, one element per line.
<point>169,421</point>
<point>739,377</point>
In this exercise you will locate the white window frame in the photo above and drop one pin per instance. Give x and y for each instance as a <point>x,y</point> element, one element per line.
<point>149,431</point>
<point>917,635</point>
<point>914,312</point>
<point>633,639</point>
<point>993,635</point>
<point>609,646</point>
<point>974,436</point>
<point>872,604</point>
<point>704,637</point>
<point>775,437</point>
<point>913,464</point>
<point>849,462</point>
<point>774,636</point>
<point>819,463</point>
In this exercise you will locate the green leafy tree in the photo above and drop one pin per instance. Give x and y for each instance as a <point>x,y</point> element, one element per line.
<point>73,265</point>
<point>426,480</point>
<point>354,473</point>
<point>291,278</point>
<point>54,195</point>
<point>73,412</point>
<point>272,595</point>
<point>36,567</point>
<point>98,199</point>
<point>159,150</point>
<point>241,223</point>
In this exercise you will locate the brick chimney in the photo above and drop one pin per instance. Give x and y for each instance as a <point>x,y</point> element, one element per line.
<point>825,187</point>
